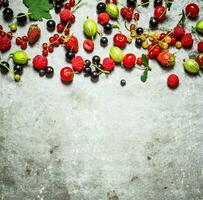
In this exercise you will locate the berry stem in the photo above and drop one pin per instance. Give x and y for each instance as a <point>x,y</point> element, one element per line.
<point>103,71</point>
<point>26,14</point>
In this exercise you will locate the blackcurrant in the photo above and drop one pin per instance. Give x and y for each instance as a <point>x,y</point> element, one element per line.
<point>94,76</point>
<point>70,55</point>
<point>139,30</point>
<point>18,69</point>
<point>8,14</point>
<point>101,7</point>
<point>49,72</point>
<point>6,3</point>
<point>51,24</point>
<point>104,41</point>
<point>123,82</point>
<point>108,28</point>
<point>153,23</point>
<point>158,3</point>
<point>131,3</point>
<point>87,63</point>
<point>57,8</point>
<point>42,72</point>
<point>3,69</point>
<point>87,70</point>
<point>21,19</point>
<point>96,59</point>
<point>99,66</point>
<point>138,42</point>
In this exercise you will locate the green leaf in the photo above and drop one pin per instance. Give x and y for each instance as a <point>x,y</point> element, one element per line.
<point>144,76</point>
<point>145,60</point>
<point>182,19</point>
<point>38,9</point>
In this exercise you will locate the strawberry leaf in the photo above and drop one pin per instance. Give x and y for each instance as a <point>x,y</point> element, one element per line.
<point>38,9</point>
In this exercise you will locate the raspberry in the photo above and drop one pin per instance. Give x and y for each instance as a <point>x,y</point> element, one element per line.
<point>103,18</point>
<point>200,47</point>
<point>108,64</point>
<point>39,62</point>
<point>78,63</point>
<point>5,44</point>
<point>179,31</point>
<point>173,81</point>
<point>187,40</point>
<point>65,15</point>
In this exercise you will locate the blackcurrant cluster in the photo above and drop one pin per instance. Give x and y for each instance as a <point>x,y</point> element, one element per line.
<point>48,72</point>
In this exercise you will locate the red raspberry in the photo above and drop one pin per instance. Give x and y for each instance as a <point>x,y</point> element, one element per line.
<point>39,62</point>
<point>173,81</point>
<point>187,40</point>
<point>200,46</point>
<point>179,31</point>
<point>78,63</point>
<point>88,45</point>
<point>103,18</point>
<point>65,15</point>
<point>5,44</point>
<point>108,64</point>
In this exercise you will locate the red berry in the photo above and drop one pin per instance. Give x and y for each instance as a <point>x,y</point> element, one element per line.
<point>18,41</point>
<point>5,44</point>
<point>119,40</point>
<point>192,10</point>
<point>173,81</point>
<point>103,18</point>
<point>136,16</point>
<point>39,62</point>
<point>67,31</point>
<point>23,45</point>
<point>88,45</point>
<point>65,15</point>
<point>51,39</point>
<point>150,55</point>
<point>160,13</point>
<point>108,64</point>
<point>56,36</point>
<point>67,6</point>
<point>24,38</point>
<point>131,8</point>
<point>72,3</point>
<point>61,40</point>
<point>51,48</point>
<point>156,51</point>
<point>72,19</point>
<point>173,41</point>
<point>179,31</point>
<point>57,43</point>
<point>150,47</point>
<point>10,35</point>
<point>129,60</point>
<point>139,61</point>
<point>200,47</point>
<point>67,74</point>
<point>154,42</point>
<point>78,63</point>
<point>45,52</point>
<point>187,40</point>
<point>124,12</point>
<point>162,36</point>
<point>199,60</point>
<point>44,45</point>
<point>2,34</point>
<point>60,27</point>
<point>132,27</point>
<point>129,16</point>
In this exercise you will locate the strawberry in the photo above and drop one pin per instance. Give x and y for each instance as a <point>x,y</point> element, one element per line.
<point>71,43</point>
<point>65,15</point>
<point>187,40</point>
<point>78,63</point>
<point>39,62</point>
<point>166,59</point>
<point>33,34</point>
<point>179,31</point>
<point>5,43</point>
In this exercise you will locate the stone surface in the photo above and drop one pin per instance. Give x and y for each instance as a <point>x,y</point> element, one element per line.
<point>88,141</point>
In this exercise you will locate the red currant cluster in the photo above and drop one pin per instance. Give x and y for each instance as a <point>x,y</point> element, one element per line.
<point>22,42</point>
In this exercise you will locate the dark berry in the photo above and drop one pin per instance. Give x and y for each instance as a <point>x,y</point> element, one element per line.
<point>42,72</point>
<point>70,55</point>
<point>3,69</point>
<point>18,69</point>
<point>131,3</point>
<point>104,41</point>
<point>138,42</point>
<point>57,8</point>
<point>153,23</point>
<point>8,14</point>
<point>158,3</point>
<point>99,66</point>
<point>107,28</point>
<point>87,63</point>
<point>139,30</point>
<point>145,3</point>
<point>101,7</point>
<point>94,76</point>
<point>51,24</point>
<point>6,3</point>
<point>123,82</point>
<point>87,70</point>
<point>21,19</point>
<point>96,59</point>
<point>49,72</point>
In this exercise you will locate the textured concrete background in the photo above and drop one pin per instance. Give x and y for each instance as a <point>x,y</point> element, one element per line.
<point>88,141</point>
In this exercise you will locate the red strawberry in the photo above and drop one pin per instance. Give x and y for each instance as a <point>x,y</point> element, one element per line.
<point>39,62</point>
<point>103,18</point>
<point>108,64</point>
<point>5,43</point>
<point>71,43</point>
<point>33,34</point>
<point>78,63</point>
<point>65,15</point>
<point>179,31</point>
<point>187,40</point>
<point>166,59</point>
